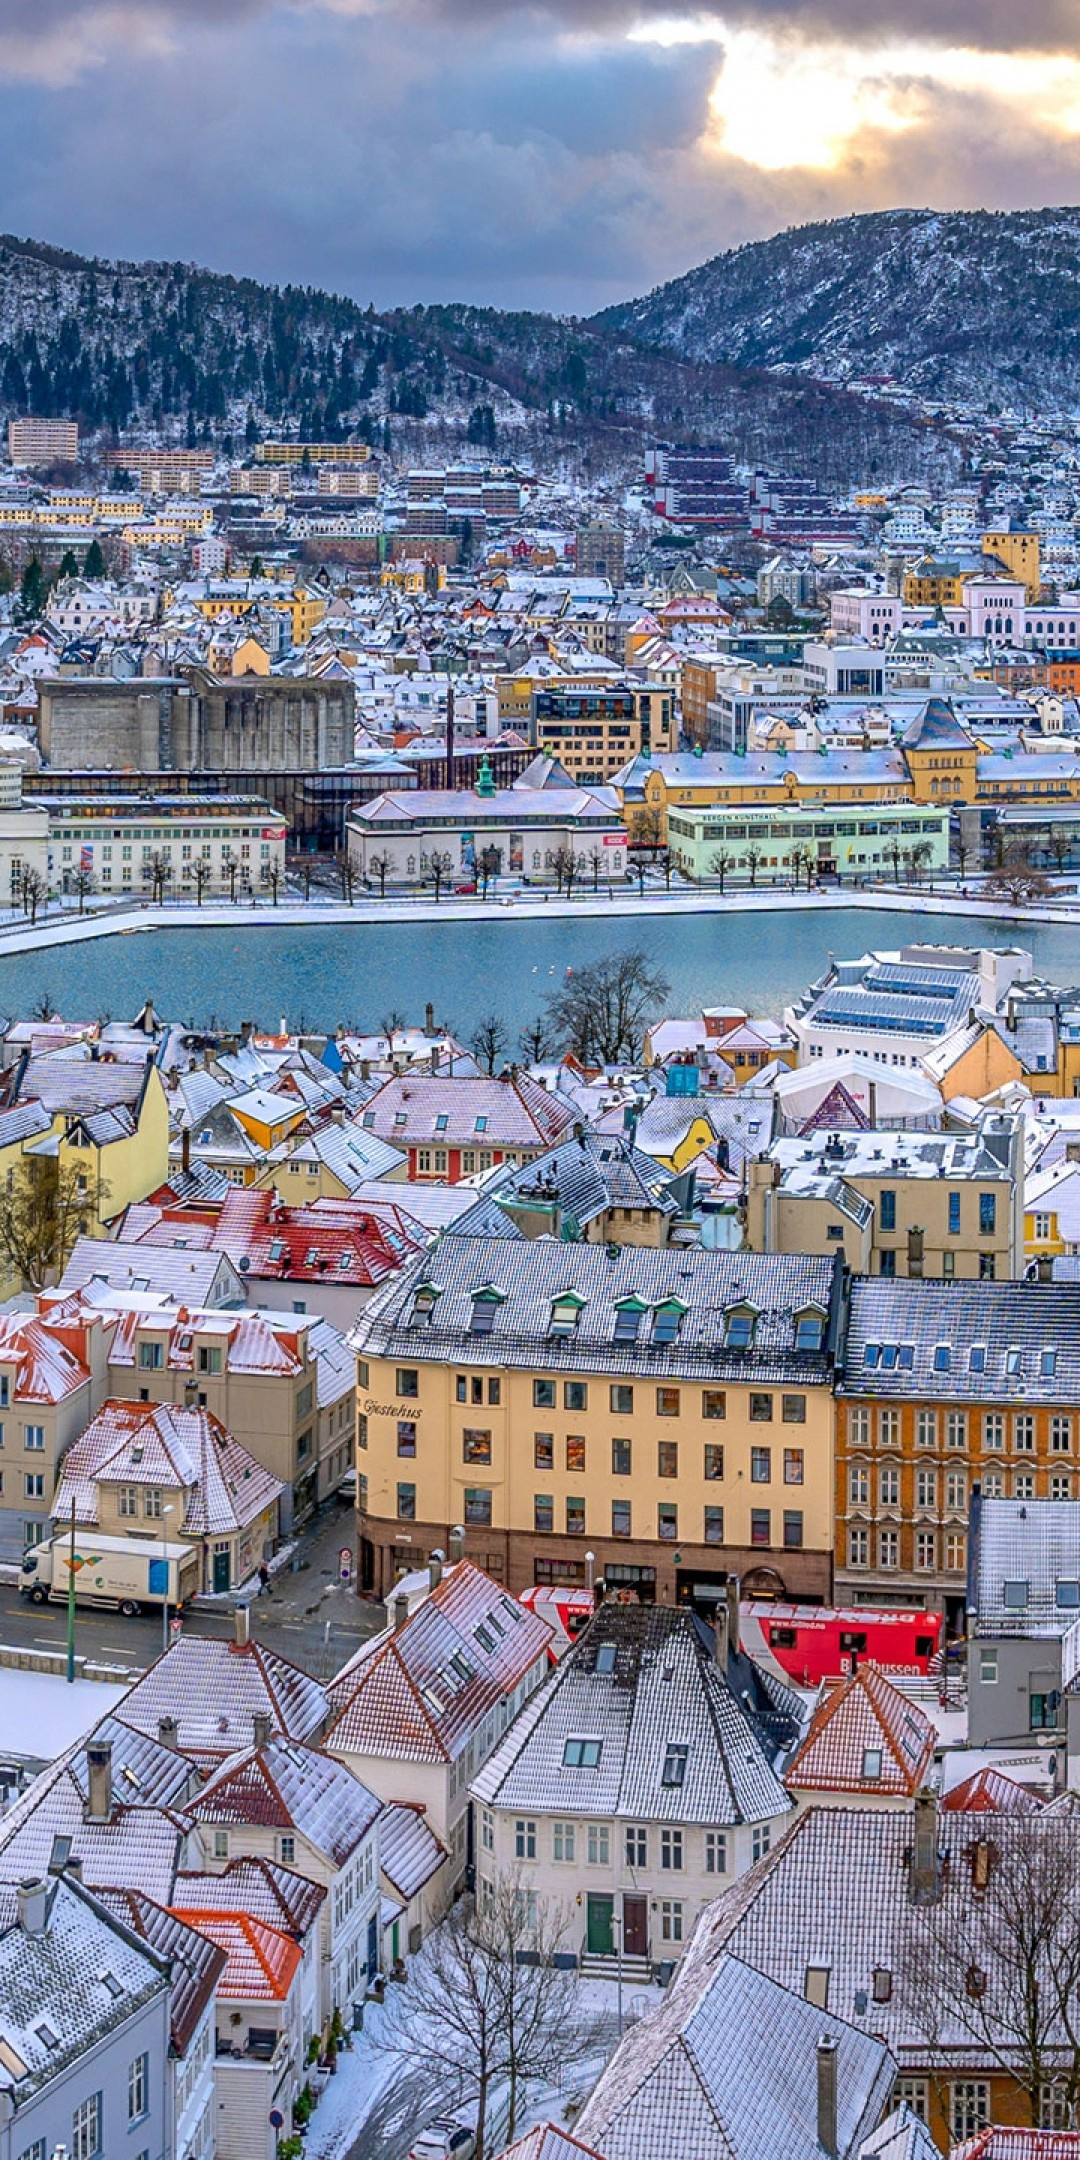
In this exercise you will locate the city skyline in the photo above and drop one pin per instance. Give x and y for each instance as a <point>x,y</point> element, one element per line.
<point>555,156</point>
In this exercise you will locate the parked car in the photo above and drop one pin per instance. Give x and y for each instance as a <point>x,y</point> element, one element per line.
<point>346,1488</point>
<point>444,2140</point>
<point>469,888</point>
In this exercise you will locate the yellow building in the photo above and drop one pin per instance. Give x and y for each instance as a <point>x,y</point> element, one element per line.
<point>657,1420</point>
<point>1019,551</point>
<point>941,757</point>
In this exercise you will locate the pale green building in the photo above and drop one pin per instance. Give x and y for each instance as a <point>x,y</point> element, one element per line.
<point>775,845</point>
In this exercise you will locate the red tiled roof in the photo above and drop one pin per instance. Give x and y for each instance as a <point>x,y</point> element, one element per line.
<point>262,1962</point>
<point>865,1737</point>
<point>989,1791</point>
<point>998,2143</point>
<point>46,1366</point>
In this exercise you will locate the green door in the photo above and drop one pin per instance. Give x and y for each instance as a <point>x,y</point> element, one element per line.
<point>222,1575</point>
<point>601,1934</point>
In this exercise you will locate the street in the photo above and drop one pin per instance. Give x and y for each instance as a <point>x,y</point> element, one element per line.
<point>308,1616</point>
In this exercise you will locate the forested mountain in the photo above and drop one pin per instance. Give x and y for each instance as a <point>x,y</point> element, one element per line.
<point>971,305</point>
<point>205,357</point>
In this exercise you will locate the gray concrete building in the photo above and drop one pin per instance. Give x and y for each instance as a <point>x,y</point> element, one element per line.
<point>197,722</point>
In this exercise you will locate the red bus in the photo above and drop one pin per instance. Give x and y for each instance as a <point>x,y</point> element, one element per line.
<point>811,1643</point>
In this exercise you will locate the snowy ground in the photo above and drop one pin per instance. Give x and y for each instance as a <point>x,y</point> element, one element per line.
<point>378,2100</point>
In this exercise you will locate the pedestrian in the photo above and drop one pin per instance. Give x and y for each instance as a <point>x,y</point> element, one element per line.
<point>264,1577</point>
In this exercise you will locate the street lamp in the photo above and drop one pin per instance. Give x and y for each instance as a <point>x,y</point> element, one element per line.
<point>166,1511</point>
<point>590,1562</point>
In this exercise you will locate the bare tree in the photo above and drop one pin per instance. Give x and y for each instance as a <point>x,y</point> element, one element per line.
<point>1060,846</point>
<point>993,1962</point>
<point>596,865</point>
<point>34,893</point>
<point>534,1041</point>
<point>203,875</point>
<point>82,884</point>
<point>917,858</point>
<point>390,1025</point>
<point>157,873</point>
<point>754,860</point>
<point>1016,876</point>
<point>490,2003</point>
<point>720,862</point>
<point>271,878</point>
<point>489,1041</point>
<point>962,852</point>
<point>647,828</point>
<point>381,866</point>
<point>601,1011</point>
<point>43,1206</point>
<point>230,863</point>
<point>487,868</point>
<point>347,875</point>
<point>565,867</point>
<point>441,867</point>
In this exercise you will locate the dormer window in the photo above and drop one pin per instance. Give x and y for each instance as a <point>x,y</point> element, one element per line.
<point>425,1300</point>
<point>809,1329</point>
<point>942,1357</point>
<point>667,1320</point>
<point>977,1358</point>
<point>481,1125</point>
<point>739,1326</point>
<point>485,1305</point>
<point>441,1123</point>
<point>872,1355</point>
<point>1014,1595</point>
<point>1047,1363</point>
<point>566,1311</point>
<point>629,1314</point>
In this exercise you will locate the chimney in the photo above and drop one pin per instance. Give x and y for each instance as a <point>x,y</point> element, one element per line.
<point>1044,1267</point>
<point>731,1595</point>
<point>401,1612</point>
<point>827,2128</point>
<point>263,1727</point>
<point>450,735</point>
<point>185,1148</point>
<point>242,1625</point>
<point>191,1395</point>
<point>435,1568</point>
<point>429,1021</point>
<point>99,1805</point>
<point>32,1904</point>
<point>457,1545</point>
<point>168,1732</point>
<point>925,1874</point>
<point>720,1634</point>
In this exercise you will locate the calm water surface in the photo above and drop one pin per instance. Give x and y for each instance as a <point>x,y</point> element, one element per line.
<point>354,974</point>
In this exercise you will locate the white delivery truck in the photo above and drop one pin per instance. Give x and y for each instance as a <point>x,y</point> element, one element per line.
<point>124,1572</point>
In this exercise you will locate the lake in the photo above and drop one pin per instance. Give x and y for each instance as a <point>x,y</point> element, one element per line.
<point>355,973</point>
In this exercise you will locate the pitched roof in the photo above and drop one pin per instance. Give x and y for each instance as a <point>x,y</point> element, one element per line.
<point>46,1368</point>
<point>215,1690</point>
<point>269,1892</point>
<point>726,2069</point>
<point>418,1692</point>
<point>195,1964</point>
<point>1008,1342</point>
<point>989,1791</point>
<point>1025,1562</point>
<point>936,727</point>
<point>169,1446</point>
<point>261,1962</point>
<point>67,1988</point>
<point>481,1113</point>
<point>640,1680</point>
<point>548,2143</point>
<point>286,1787</point>
<point>409,1851</point>
<point>864,1737</point>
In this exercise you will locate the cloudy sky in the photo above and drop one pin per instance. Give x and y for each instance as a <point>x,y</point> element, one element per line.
<point>526,153</point>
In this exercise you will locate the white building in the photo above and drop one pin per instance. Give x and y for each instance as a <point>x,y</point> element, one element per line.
<point>217,845</point>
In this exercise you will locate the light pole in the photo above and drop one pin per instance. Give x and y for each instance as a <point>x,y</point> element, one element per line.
<point>165,1512</point>
<point>590,1562</point>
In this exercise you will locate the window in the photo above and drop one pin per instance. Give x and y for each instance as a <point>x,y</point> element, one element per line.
<point>761,1407</point>
<point>926,1550</point>
<point>760,1526</point>
<point>406,1503</point>
<point>36,2151</point>
<point>1061,1487</point>
<point>926,1488</point>
<point>888,1486</point>
<point>887,1210</point>
<point>1014,1594</point>
<point>714,1461</point>
<point>671,1920</point>
<point>86,2129</point>
<point>987,1214</point>
<point>887,1261</point>
<point>859,1428</point>
<point>487,1830</point>
<point>575,1517</point>
<point>888,1548</point>
<point>714,1526</point>
<point>543,1394</point>
<point>739,1329</point>
<point>1067,1595</point>
<point>575,1395</point>
<point>407,1382</point>
<point>969,2107</point>
<point>888,1427</point>
<point>926,1429</point>
<point>676,1756</point>
<point>667,1458</point>
<point>988,1668</point>
<point>915,2091</point>
<point>1060,1435</point>
<point>221,1844</point>
<point>716,1852</point>
<point>671,1850</point>
<point>620,1458</point>
<point>637,1845</point>
<point>33,1485</point>
<point>816,1985</point>
<point>713,1402</point>
<point>761,1466</point>
<point>620,1518</point>
<point>987,1267</point>
<point>575,1451</point>
<point>478,1506</point>
<point>543,1512</point>
<point>209,1358</point>
<point>128,1499</point>
<point>667,1402</point>
<point>475,1446</point>
<point>858,1547</point>
<point>793,1529</point>
<point>524,1839</point>
<point>151,1356</point>
<point>581,1754</point>
<point>956,1491</point>
<point>138,2088</point>
<point>544,1451</point>
<point>598,1845</point>
<point>809,1329</point>
<point>667,1521</point>
<point>955,1550</point>
<point>760,1841</point>
<point>858,1485</point>
<point>622,1401</point>
<point>993,1430</point>
<point>942,1357</point>
<point>406,1437</point>
<point>34,1437</point>
<point>562,1841</point>
<point>954,1214</point>
<point>1024,1434</point>
<point>793,1409</point>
